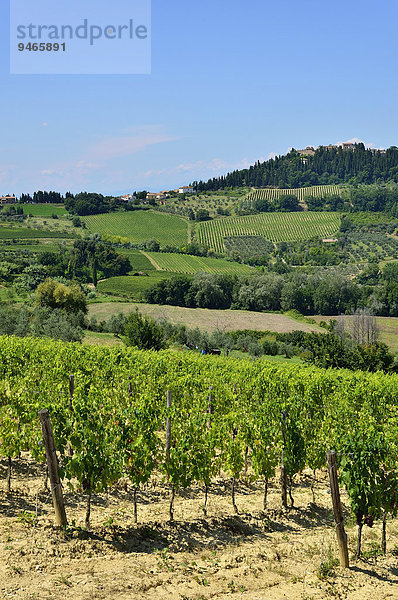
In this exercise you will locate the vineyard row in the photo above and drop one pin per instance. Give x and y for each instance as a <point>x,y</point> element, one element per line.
<point>114,421</point>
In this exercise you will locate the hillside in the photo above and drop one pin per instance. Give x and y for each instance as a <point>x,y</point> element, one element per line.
<point>301,193</point>
<point>326,166</point>
<point>139,226</point>
<point>275,227</point>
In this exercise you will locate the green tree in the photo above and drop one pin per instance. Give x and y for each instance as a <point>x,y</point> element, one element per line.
<point>143,332</point>
<point>202,215</point>
<point>52,294</point>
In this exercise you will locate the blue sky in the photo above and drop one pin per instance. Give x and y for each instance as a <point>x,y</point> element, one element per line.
<point>231,83</point>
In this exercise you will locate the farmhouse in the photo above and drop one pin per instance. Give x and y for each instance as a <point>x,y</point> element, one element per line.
<point>185,189</point>
<point>126,198</point>
<point>7,200</point>
<point>308,151</point>
<point>156,196</point>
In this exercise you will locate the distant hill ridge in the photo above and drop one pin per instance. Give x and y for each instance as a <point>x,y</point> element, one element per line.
<point>327,165</point>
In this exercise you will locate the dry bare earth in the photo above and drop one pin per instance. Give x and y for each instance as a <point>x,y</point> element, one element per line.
<point>205,319</point>
<point>253,556</point>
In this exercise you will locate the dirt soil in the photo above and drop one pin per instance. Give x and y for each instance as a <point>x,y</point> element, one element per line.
<point>255,555</point>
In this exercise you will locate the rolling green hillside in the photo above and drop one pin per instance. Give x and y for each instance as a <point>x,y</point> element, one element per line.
<point>185,263</point>
<point>44,210</point>
<point>139,226</point>
<point>276,227</point>
<point>21,233</point>
<point>271,194</point>
<point>130,286</point>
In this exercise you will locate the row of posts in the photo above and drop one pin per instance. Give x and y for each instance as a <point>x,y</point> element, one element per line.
<point>56,486</point>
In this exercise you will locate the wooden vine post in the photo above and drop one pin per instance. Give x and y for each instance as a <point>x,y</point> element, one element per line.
<point>71,391</point>
<point>338,517</point>
<point>167,450</point>
<point>168,425</point>
<point>210,407</point>
<point>283,469</point>
<point>52,464</point>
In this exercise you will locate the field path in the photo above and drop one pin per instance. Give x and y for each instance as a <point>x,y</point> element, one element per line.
<point>151,260</point>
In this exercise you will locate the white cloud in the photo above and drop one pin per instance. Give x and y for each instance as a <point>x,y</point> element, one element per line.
<point>213,166</point>
<point>92,162</point>
<point>44,124</point>
<point>130,143</point>
<point>82,164</point>
<point>51,172</point>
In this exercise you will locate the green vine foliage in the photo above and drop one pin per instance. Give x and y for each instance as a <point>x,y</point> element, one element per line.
<point>115,424</point>
<point>361,469</point>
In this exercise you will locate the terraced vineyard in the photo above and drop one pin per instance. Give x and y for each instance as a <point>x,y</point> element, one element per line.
<point>276,227</point>
<point>185,263</point>
<point>139,226</point>
<point>271,194</point>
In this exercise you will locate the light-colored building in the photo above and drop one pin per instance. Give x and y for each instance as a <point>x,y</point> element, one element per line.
<point>348,146</point>
<point>156,196</point>
<point>185,189</point>
<point>308,151</point>
<point>7,200</point>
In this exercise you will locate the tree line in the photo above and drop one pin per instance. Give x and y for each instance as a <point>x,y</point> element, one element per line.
<point>44,197</point>
<point>330,294</point>
<point>334,348</point>
<point>327,166</point>
<point>86,261</point>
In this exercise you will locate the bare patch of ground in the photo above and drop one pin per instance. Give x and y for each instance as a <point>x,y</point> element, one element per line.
<point>256,555</point>
<point>206,319</point>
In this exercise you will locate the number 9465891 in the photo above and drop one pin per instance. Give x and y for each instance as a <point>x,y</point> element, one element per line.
<point>42,47</point>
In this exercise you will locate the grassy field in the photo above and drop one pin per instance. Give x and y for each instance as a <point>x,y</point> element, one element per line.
<point>36,246</point>
<point>184,263</point>
<point>93,338</point>
<point>130,286</point>
<point>276,227</point>
<point>206,319</point>
<point>44,210</point>
<point>139,226</point>
<point>388,327</point>
<point>21,233</point>
<point>139,262</point>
